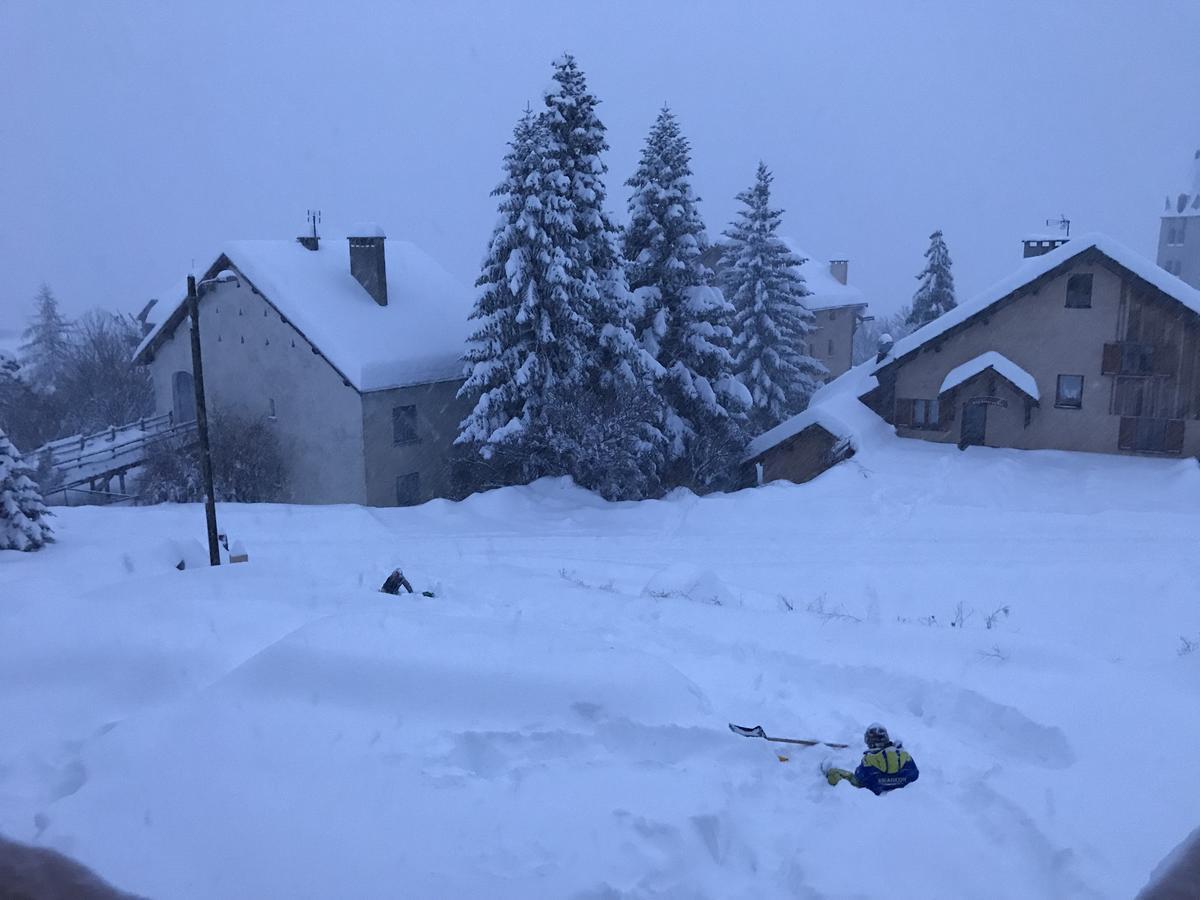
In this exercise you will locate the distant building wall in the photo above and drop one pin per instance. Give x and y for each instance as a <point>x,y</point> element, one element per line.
<point>409,435</point>
<point>832,342</point>
<point>258,366</point>
<point>1043,336</point>
<point>1179,247</point>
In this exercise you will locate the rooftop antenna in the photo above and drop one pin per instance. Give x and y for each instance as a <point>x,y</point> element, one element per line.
<point>1063,223</point>
<point>311,241</point>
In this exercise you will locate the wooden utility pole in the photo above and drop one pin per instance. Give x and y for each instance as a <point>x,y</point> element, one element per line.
<point>210,505</point>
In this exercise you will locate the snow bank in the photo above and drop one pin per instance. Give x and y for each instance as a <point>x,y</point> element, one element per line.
<point>1000,364</point>
<point>690,582</point>
<point>542,727</point>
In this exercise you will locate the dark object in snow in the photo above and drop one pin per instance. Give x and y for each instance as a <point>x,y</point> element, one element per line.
<point>757,731</point>
<point>427,594</point>
<point>44,874</point>
<point>394,582</point>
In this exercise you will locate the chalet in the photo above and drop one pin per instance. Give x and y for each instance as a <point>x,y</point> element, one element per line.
<point>1087,346</point>
<point>351,349</point>
<point>837,306</point>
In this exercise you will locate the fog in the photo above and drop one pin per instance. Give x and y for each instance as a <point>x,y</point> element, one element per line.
<point>136,137</point>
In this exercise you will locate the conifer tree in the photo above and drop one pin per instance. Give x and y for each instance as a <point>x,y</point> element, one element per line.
<point>771,327</point>
<point>532,330</point>
<point>616,368</point>
<point>47,343</point>
<point>680,318</point>
<point>23,514</point>
<point>935,296</point>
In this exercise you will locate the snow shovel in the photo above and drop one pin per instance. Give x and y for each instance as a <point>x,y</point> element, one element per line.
<point>757,732</point>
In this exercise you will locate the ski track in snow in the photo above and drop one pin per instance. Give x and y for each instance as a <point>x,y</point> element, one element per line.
<point>553,722</point>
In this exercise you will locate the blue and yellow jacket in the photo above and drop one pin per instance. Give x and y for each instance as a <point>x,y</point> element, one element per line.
<point>885,770</point>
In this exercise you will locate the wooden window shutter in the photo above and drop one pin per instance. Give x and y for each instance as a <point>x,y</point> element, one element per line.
<point>1111,363</point>
<point>946,407</point>
<point>904,412</point>
<point>1174,443</point>
<point>1127,436</point>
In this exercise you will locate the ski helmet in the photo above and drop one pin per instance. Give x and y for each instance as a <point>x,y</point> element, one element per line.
<point>876,736</point>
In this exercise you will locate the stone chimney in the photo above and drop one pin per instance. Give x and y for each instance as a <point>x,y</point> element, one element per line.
<point>840,269</point>
<point>367,263</point>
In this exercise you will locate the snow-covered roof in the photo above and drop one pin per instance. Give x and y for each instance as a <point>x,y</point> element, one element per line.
<point>825,291</point>
<point>999,363</point>
<point>836,408</point>
<point>1034,268</point>
<point>418,337</point>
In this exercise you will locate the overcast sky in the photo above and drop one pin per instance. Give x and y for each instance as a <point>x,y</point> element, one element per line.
<point>136,137</point>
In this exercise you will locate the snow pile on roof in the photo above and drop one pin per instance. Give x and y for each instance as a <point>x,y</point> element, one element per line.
<point>1002,365</point>
<point>1037,266</point>
<point>825,291</point>
<point>418,337</point>
<point>837,409</point>
<point>367,230</point>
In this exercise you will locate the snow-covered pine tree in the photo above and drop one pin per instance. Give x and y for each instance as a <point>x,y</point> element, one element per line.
<point>680,318</point>
<point>771,325</point>
<point>616,368</point>
<point>23,514</point>
<point>47,343</point>
<point>936,293</point>
<point>533,331</point>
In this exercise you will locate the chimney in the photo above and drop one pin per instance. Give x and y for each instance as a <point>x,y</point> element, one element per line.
<point>840,269</point>
<point>1039,245</point>
<point>367,261</point>
<point>885,347</point>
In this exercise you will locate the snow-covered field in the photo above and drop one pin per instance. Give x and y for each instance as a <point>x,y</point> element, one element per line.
<point>553,722</point>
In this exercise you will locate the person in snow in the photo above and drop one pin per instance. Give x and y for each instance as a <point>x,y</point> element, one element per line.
<point>885,766</point>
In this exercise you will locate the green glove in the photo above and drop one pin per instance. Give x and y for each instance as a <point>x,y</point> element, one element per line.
<point>833,776</point>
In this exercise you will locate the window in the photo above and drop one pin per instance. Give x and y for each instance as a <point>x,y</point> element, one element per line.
<point>408,489</point>
<point>926,413</point>
<point>271,408</point>
<point>830,347</point>
<point>1177,233</point>
<point>183,391</point>
<point>1079,291</point>
<point>1070,392</point>
<point>404,425</point>
<point>1171,237</point>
